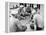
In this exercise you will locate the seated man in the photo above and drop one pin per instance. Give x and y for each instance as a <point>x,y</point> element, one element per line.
<point>39,21</point>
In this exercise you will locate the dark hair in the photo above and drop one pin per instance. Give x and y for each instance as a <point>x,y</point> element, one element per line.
<point>28,10</point>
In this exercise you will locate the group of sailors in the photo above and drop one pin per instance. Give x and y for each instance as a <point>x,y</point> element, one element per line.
<point>31,11</point>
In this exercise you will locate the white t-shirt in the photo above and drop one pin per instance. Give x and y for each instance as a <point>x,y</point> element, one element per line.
<point>39,19</point>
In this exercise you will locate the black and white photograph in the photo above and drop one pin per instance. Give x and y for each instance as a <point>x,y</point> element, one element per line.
<point>25,17</point>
